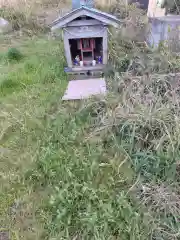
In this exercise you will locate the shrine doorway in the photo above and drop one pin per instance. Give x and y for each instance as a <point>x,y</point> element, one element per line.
<point>86,50</point>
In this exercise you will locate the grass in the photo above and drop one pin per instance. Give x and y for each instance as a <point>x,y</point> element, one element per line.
<point>21,90</point>
<point>98,169</point>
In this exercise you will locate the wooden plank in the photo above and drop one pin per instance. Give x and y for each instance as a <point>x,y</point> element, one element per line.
<point>98,67</point>
<point>78,23</point>
<point>85,31</point>
<point>67,50</point>
<point>105,46</point>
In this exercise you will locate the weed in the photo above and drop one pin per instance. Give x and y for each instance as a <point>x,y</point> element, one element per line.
<point>8,84</point>
<point>14,54</point>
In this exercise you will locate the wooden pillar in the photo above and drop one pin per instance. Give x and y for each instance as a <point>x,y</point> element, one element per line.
<point>105,46</point>
<point>67,50</point>
<point>81,49</point>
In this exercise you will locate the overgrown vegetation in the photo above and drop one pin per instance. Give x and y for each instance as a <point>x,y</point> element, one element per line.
<point>14,54</point>
<point>95,169</point>
<point>172,7</point>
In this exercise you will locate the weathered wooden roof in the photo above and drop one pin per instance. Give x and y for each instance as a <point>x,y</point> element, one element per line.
<point>103,17</point>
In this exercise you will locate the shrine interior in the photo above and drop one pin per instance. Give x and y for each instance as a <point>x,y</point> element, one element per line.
<point>86,50</point>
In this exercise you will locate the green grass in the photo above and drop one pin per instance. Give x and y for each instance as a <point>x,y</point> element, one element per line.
<point>97,169</point>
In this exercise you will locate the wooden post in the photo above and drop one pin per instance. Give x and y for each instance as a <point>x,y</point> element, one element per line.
<point>82,59</point>
<point>67,50</point>
<point>105,46</point>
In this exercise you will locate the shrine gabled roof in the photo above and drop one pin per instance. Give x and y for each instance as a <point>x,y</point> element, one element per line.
<point>103,17</point>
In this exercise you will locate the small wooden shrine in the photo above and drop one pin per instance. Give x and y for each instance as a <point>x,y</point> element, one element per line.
<point>85,35</point>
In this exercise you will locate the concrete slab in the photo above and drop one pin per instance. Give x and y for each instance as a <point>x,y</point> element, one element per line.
<point>83,89</point>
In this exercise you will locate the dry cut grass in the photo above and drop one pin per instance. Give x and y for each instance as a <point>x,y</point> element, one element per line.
<point>105,3</point>
<point>32,16</point>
